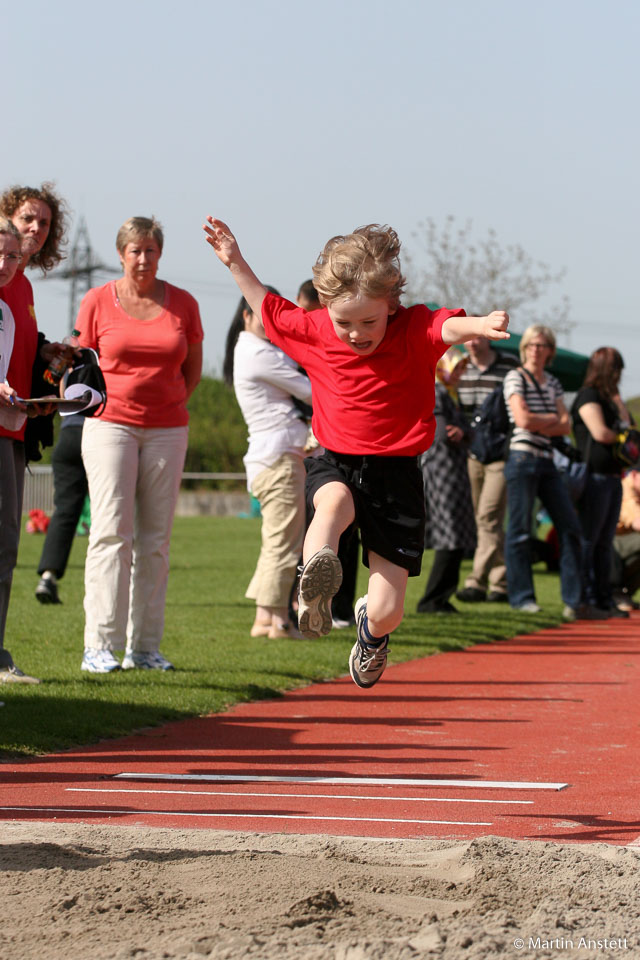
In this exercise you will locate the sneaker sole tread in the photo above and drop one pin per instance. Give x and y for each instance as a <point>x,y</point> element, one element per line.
<point>319,582</point>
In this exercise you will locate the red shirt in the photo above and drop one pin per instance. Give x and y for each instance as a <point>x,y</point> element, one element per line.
<point>141,360</point>
<point>19,295</point>
<point>379,404</point>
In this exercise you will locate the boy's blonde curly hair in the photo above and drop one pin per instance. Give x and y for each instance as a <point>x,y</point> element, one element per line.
<point>364,262</point>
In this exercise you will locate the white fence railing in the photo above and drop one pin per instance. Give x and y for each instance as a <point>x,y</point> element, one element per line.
<point>38,493</point>
<point>38,489</point>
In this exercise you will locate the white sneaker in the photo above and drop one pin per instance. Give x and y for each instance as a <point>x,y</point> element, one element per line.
<point>529,607</point>
<point>13,675</point>
<point>146,660</point>
<point>99,661</point>
<point>341,623</point>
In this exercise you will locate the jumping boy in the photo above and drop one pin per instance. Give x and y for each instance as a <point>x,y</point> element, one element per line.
<point>371,363</point>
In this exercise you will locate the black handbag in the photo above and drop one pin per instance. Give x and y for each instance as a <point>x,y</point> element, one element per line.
<point>86,371</point>
<point>568,462</point>
<point>491,429</point>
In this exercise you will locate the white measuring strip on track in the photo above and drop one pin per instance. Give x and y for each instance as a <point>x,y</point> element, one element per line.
<point>288,796</point>
<point>349,781</point>
<point>80,811</point>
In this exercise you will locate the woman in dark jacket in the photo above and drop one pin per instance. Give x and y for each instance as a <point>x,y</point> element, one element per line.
<point>450,524</point>
<point>598,415</point>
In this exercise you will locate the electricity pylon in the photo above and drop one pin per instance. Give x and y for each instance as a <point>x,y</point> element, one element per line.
<point>81,269</point>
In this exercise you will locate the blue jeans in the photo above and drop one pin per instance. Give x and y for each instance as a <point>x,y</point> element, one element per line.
<point>599,510</point>
<point>529,477</point>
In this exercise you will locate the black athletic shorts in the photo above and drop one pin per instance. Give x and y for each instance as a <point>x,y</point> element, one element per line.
<point>388,495</point>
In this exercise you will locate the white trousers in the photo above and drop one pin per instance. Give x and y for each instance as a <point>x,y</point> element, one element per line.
<point>134,478</point>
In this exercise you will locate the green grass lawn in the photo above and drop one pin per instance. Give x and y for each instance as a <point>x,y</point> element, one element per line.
<point>206,636</point>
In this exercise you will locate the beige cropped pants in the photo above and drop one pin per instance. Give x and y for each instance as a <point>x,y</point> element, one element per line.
<point>280,491</point>
<point>489,495</point>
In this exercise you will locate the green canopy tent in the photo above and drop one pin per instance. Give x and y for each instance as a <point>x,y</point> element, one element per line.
<point>567,366</point>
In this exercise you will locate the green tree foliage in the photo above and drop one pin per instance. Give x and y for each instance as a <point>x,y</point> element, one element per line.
<point>217,432</point>
<point>453,269</point>
<point>633,406</point>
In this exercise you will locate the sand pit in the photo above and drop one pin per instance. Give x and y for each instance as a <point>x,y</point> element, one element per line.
<point>74,892</point>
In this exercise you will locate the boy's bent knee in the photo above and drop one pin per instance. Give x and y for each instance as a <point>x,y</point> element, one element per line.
<point>336,497</point>
<point>384,617</point>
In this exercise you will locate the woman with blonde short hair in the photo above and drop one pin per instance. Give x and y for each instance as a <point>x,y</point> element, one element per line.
<point>148,335</point>
<point>546,334</point>
<point>535,404</point>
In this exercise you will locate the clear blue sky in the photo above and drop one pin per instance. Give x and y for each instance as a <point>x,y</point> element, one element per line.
<point>298,120</point>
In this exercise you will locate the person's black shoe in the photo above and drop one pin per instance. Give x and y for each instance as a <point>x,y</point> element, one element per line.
<point>615,613</point>
<point>471,595</point>
<point>586,611</point>
<point>47,591</point>
<point>496,596</point>
<point>445,607</point>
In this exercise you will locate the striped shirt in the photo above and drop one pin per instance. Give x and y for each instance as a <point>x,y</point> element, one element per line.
<point>539,399</point>
<point>475,384</point>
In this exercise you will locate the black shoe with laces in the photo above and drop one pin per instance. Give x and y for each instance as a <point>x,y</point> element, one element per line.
<point>47,591</point>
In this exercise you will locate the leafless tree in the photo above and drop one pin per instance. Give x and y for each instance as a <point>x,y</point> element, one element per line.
<point>450,268</point>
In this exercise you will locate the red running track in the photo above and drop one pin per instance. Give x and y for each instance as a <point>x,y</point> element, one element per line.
<point>461,744</point>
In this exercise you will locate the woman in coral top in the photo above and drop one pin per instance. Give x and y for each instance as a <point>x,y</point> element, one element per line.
<point>148,336</point>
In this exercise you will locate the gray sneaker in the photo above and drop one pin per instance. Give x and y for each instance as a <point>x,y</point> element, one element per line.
<point>13,675</point>
<point>319,581</point>
<point>147,660</point>
<point>366,663</point>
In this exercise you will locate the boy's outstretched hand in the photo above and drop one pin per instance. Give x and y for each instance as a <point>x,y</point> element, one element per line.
<point>495,325</point>
<point>228,252</point>
<point>222,240</point>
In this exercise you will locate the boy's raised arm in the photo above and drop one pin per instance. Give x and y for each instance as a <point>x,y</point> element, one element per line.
<point>494,327</point>
<point>227,250</point>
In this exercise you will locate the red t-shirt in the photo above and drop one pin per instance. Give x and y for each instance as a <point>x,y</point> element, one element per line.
<point>379,404</point>
<point>141,360</point>
<point>19,296</point>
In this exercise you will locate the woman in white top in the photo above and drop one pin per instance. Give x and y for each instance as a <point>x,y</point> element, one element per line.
<point>537,413</point>
<point>265,381</point>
